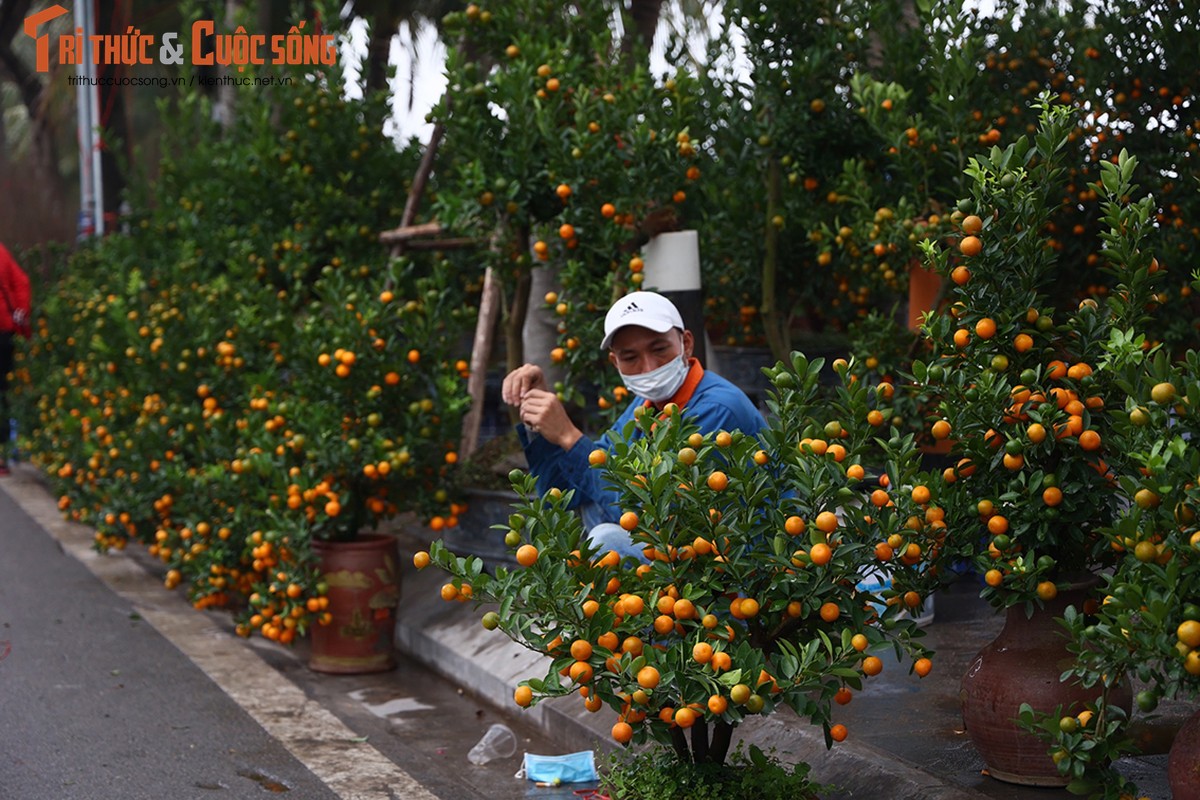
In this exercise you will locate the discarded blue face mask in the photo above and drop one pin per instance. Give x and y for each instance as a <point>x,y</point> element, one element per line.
<point>570,768</point>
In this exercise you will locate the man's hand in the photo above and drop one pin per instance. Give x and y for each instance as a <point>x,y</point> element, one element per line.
<point>521,381</point>
<point>543,412</point>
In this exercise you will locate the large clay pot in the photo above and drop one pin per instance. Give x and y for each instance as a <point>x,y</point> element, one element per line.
<point>1022,665</point>
<point>364,588</point>
<point>1183,765</point>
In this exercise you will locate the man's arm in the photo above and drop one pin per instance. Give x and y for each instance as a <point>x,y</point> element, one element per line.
<point>569,469</point>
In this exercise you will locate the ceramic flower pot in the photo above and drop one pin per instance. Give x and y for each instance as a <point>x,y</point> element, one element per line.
<point>1183,765</point>
<point>364,588</point>
<point>1023,664</point>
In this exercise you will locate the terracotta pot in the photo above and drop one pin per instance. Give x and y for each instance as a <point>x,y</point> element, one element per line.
<point>924,288</point>
<point>1183,765</point>
<point>364,588</point>
<point>1022,665</point>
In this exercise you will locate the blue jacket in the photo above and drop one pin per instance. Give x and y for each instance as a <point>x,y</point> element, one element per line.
<point>715,405</point>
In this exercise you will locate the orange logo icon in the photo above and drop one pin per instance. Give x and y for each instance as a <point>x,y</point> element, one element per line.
<point>32,23</point>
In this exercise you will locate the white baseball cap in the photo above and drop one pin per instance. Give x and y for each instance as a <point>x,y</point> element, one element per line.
<point>644,309</point>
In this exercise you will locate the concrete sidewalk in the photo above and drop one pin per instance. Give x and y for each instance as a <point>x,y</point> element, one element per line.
<point>906,738</point>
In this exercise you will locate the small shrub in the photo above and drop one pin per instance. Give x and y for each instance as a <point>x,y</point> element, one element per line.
<point>657,774</point>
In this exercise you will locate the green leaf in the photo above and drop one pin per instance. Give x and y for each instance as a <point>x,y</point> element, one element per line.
<point>731,678</point>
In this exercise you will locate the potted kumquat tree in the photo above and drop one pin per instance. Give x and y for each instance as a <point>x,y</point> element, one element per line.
<point>1148,622</point>
<point>370,430</point>
<point>747,599</point>
<point>1026,396</point>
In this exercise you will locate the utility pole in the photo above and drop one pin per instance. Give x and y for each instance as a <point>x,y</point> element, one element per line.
<point>87,106</point>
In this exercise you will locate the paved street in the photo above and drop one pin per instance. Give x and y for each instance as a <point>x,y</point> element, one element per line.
<point>113,687</point>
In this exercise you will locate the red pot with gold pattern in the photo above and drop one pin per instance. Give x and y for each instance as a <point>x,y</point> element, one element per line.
<point>364,588</point>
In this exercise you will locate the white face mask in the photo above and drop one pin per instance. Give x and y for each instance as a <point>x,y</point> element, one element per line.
<point>658,384</point>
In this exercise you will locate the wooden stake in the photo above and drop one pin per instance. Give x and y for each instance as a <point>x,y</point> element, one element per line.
<point>422,176</point>
<point>481,356</point>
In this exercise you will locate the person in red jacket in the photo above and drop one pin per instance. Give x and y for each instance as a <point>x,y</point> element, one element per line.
<point>14,320</point>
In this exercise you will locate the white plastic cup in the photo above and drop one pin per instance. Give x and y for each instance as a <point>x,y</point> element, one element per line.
<point>498,742</point>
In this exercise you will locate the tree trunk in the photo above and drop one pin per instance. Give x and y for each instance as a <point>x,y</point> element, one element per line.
<point>32,91</point>
<point>514,323</point>
<point>225,107</point>
<point>704,749</point>
<point>645,15</point>
<point>718,749</point>
<point>680,745</point>
<point>383,27</point>
<point>700,753</point>
<point>540,331</point>
<point>424,170</point>
<point>481,357</point>
<point>906,19</point>
<point>774,322</point>
<point>266,15</point>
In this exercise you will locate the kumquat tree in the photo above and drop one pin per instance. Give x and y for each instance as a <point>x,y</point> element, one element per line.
<point>1067,430</point>
<point>561,152</point>
<point>240,374</point>
<point>1147,624</point>
<point>748,596</point>
<point>811,184</point>
<point>246,370</point>
<point>1024,391</point>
